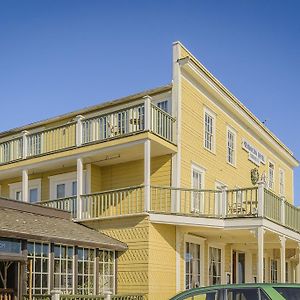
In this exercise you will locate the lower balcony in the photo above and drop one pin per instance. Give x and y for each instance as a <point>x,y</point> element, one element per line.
<point>254,202</point>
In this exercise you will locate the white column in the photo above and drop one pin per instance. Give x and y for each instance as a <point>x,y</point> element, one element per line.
<point>79,119</point>
<point>261,196</point>
<point>282,211</point>
<point>260,255</point>
<point>298,265</point>
<point>25,186</point>
<point>282,259</point>
<point>79,187</point>
<point>178,259</point>
<point>224,202</point>
<point>147,113</point>
<point>88,178</point>
<point>147,173</point>
<point>25,144</point>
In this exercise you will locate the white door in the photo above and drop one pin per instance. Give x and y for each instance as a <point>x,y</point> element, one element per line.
<point>219,186</point>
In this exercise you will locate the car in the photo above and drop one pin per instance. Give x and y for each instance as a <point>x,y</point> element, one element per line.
<point>263,291</point>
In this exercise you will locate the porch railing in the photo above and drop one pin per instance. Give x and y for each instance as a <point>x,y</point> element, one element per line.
<point>247,202</point>
<point>38,297</point>
<point>83,131</point>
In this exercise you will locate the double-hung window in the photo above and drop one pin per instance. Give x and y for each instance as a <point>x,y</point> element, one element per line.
<point>163,105</point>
<point>209,130</point>
<point>271,175</point>
<point>274,271</point>
<point>231,146</point>
<point>197,204</point>
<point>281,183</point>
<point>215,265</point>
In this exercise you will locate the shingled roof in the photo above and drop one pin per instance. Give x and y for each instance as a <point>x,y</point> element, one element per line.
<point>28,221</point>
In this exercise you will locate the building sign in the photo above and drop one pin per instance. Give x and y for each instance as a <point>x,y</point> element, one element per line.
<point>254,155</point>
<point>10,246</point>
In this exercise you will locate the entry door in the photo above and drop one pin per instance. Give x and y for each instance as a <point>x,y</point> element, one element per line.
<point>238,267</point>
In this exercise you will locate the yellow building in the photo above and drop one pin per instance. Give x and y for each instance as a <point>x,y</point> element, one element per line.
<point>196,186</point>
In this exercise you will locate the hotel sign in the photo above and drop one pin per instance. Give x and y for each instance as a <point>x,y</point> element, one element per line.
<point>255,155</point>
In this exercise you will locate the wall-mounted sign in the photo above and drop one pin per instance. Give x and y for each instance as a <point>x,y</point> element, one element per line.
<point>254,155</point>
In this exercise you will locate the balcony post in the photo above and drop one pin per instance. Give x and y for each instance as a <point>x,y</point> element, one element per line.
<point>79,187</point>
<point>25,185</point>
<point>298,265</point>
<point>282,210</point>
<point>260,198</point>
<point>147,113</point>
<point>282,258</point>
<point>79,119</point>
<point>25,144</point>
<point>260,254</point>
<point>224,202</point>
<point>147,174</point>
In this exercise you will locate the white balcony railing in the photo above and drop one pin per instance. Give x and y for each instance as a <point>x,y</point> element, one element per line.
<point>84,131</point>
<point>238,203</point>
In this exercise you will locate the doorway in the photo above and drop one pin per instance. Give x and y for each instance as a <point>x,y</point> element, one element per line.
<point>238,267</point>
<point>9,279</point>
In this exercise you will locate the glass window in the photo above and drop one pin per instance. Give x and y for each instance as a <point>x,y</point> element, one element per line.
<point>288,292</point>
<point>60,191</point>
<point>19,195</point>
<point>163,105</point>
<point>86,262</point>
<point>197,185</point>
<point>243,294</point>
<point>231,147</point>
<point>74,188</point>
<point>38,255</point>
<point>274,270</point>
<point>271,175</point>
<point>214,266</point>
<point>106,271</point>
<point>10,245</point>
<point>281,183</point>
<point>33,195</point>
<point>192,265</point>
<point>63,268</point>
<point>212,295</point>
<point>287,277</point>
<point>209,132</point>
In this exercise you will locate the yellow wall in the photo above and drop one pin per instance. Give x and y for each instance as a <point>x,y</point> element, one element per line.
<point>217,169</point>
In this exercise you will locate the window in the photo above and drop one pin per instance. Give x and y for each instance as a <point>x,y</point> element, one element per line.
<point>86,262</point>
<point>215,266</point>
<point>211,295</point>
<point>60,190</point>
<point>271,175</point>
<point>63,268</point>
<point>163,105</point>
<point>34,191</point>
<point>38,254</point>
<point>245,294</point>
<point>209,131</point>
<point>231,146</point>
<point>287,277</point>
<point>197,204</point>
<point>33,195</point>
<point>192,265</point>
<point>281,182</point>
<point>273,270</point>
<point>106,271</point>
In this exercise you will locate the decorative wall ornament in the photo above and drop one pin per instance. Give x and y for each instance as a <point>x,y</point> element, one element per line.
<point>254,176</point>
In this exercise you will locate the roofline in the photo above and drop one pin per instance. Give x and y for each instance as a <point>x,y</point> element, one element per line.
<point>236,101</point>
<point>118,101</point>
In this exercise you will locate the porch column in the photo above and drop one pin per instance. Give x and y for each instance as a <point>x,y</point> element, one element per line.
<point>79,135</point>
<point>261,196</point>
<point>147,173</point>
<point>25,186</point>
<point>79,187</point>
<point>282,258</point>
<point>260,254</point>
<point>298,265</point>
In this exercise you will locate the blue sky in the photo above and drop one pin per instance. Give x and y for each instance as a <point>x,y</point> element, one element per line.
<point>58,56</point>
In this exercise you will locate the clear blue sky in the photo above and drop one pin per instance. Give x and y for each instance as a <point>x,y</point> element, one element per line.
<point>58,56</point>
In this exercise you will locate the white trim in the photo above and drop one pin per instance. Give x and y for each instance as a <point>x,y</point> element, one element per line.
<point>209,112</point>
<point>274,175</point>
<point>188,238</point>
<point>281,171</point>
<point>32,184</point>
<point>201,172</point>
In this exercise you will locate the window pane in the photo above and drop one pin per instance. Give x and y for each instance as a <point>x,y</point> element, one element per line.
<point>60,190</point>
<point>74,188</point>
<point>33,195</point>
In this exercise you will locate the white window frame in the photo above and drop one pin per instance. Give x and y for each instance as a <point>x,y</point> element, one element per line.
<point>67,179</point>
<point>271,187</point>
<point>281,184</point>
<point>201,171</point>
<point>201,242</point>
<point>219,186</point>
<point>272,270</point>
<point>233,132</point>
<point>214,123</point>
<point>32,184</point>
<point>222,247</point>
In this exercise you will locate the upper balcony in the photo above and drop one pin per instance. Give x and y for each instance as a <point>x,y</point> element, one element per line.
<point>169,203</point>
<point>115,123</point>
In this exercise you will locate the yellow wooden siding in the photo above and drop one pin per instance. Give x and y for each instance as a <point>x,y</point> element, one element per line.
<point>162,261</point>
<point>133,264</point>
<point>217,168</point>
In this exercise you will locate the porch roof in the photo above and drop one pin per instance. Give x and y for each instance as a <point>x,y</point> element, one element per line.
<point>32,222</point>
